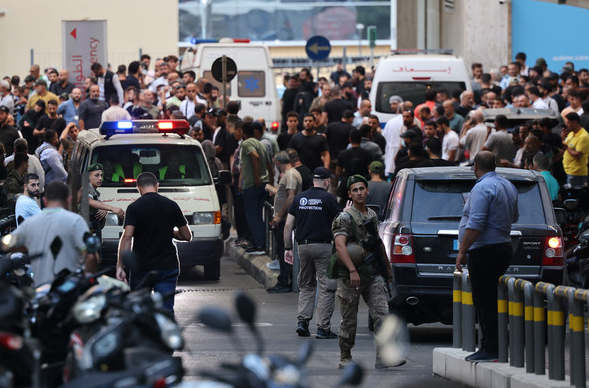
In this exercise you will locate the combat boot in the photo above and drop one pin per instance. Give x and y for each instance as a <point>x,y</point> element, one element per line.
<point>345,358</point>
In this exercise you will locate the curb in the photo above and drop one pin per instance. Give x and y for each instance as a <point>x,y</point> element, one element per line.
<point>255,266</point>
<point>449,363</point>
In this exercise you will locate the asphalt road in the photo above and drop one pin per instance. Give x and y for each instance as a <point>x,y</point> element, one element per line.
<point>276,319</point>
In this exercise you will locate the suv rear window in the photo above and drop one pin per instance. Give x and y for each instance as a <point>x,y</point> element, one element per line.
<point>173,165</point>
<point>409,90</point>
<point>430,194</point>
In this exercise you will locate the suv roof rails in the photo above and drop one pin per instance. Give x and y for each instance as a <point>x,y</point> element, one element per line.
<point>423,51</point>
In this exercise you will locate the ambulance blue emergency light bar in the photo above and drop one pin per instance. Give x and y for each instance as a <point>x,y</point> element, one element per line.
<point>110,128</point>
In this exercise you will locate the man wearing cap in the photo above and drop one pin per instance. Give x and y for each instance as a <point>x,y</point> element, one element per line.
<point>8,133</point>
<point>395,102</point>
<point>379,189</point>
<point>310,215</point>
<point>358,224</point>
<point>41,93</point>
<point>98,210</point>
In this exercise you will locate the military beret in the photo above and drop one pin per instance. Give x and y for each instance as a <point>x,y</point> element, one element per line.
<point>95,167</point>
<point>355,179</point>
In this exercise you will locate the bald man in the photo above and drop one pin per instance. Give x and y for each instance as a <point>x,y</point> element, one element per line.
<point>474,133</point>
<point>485,244</point>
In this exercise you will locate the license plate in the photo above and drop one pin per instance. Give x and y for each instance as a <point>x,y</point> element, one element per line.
<point>455,245</point>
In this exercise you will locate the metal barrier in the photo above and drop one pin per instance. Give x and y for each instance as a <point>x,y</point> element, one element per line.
<point>463,313</point>
<point>527,314</point>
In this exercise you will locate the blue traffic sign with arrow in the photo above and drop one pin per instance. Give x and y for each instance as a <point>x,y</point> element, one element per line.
<point>318,48</point>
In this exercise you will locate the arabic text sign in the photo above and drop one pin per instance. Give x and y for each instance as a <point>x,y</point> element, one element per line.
<point>83,42</point>
<point>414,69</point>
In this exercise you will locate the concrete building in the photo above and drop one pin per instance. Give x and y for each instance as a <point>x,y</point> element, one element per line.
<point>31,30</point>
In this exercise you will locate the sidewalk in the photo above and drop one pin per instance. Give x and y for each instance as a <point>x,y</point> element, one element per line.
<point>255,266</point>
<point>449,363</point>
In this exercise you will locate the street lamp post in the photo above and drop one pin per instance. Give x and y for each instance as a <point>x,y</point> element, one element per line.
<point>360,28</point>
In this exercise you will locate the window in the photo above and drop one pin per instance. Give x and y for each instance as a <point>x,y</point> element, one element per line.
<point>409,90</point>
<point>453,194</point>
<point>251,84</point>
<point>173,165</point>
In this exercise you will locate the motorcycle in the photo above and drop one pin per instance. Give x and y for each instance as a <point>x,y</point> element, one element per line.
<point>577,257</point>
<point>257,370</point>
<point>119,330</point>
<point>576,203</point>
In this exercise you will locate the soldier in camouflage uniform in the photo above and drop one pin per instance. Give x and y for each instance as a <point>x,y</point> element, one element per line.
<point>14,181</point>
<point>365,279</point>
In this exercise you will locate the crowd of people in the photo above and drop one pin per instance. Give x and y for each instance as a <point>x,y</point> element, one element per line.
<point>329,141</point>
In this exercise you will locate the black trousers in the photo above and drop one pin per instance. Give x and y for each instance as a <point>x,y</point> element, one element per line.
<point>284,278</point>
<point>485,266</point>
<point>239,213</point>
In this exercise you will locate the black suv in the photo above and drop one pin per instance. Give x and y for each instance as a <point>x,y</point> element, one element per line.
<point>420,233</point>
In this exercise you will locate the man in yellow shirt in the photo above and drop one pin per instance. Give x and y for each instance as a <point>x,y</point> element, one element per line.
<point>41,94</point>
<point>576,150</point>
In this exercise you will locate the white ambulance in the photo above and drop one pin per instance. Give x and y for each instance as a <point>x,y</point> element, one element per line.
<point>410,75</point>
<point>128,148</point>
<point>254,86</point>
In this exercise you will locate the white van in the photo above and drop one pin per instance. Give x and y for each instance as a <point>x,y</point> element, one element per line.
<point>409,75</point>
<point>254,87</point>
<point>128,148</point>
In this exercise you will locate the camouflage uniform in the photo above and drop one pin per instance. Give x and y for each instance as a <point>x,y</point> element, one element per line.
<point>372,288</point>
<point>13,184</point>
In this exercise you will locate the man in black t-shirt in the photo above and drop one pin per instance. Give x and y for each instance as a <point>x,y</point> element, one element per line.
<point>354,160</point>
<point>312,147</point>
<point>338,134</point>
<point>306,174</point>
<point>333,110</point>
<point>150,223</point>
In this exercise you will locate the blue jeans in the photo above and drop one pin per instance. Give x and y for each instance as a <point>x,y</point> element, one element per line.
<point>164,283</point>
<point>253,202</point>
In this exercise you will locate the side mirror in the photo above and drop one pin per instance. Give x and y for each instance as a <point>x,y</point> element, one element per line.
<point>561,215</point>
<point>216,318</point>
<point>224,177</point>
<point>571,203</point>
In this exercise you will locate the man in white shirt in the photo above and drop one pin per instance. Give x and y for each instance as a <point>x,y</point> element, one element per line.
<point>392,133</point>
<point>115,112</point>
<point>536,98</point>
<point>187,106</point>
<point>451,141</point>
<point>474,134</point>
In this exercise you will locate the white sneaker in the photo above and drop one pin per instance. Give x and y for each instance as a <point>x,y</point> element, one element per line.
<point>275,265</point>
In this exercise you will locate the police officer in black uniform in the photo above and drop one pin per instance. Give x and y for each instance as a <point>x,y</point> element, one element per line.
<point>311,214</point>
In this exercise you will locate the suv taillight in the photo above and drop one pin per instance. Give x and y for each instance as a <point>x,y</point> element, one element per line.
<point>553,252</point>
<point>402,251</point>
